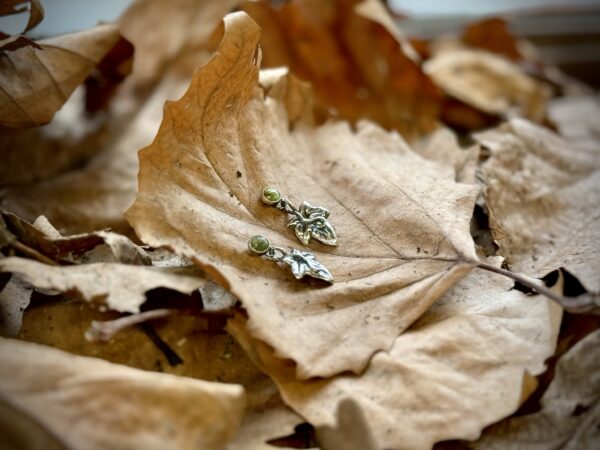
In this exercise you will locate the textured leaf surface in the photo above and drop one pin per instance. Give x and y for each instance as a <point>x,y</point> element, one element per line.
<point>403,230</point>
<point>543,193</point>
<point>464,365</point>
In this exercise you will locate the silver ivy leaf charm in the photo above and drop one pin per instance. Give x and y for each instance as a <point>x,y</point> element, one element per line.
<point>301,263</point>
<point>308,222</point>
<point>304,263</point>
<point>311,222</point>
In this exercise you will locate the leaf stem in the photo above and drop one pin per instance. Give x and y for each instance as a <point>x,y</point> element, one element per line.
<point>575,305</point>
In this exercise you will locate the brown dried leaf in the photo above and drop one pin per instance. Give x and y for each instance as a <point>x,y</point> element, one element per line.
<point>96,195</point>
<point>120,287</point>
<point>402,226</point>
<point>492,34</point>
<point>357,61</point>
<point>59,389</point>
<point>543,192</point>
<point>465,364</point>
<point>35,83</point>
<point>98,246</point>
<point>488,82</point>
<point>36,11</point>
<point>206,353</point>
<point>570,408</point>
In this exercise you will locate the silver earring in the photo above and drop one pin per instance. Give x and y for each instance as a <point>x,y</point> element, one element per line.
<point>308,222</point>
<point>301,263</point>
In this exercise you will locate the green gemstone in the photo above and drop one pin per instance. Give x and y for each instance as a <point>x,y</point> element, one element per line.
<point>271,195</point>
<point>258,244</point>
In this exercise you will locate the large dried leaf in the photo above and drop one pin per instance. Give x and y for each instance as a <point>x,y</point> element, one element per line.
<point>488,82</point>
<point>120,287</point>
<point>464,365</point>
<point>359,65</point>
<point>402,226</point>
<point>570,412</point>
<point>35,83</point>
<point>160,411</point>
<point>543,193</point>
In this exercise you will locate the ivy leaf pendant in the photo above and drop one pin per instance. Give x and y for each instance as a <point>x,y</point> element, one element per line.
<point>311,222</point>
<point>304,263</point>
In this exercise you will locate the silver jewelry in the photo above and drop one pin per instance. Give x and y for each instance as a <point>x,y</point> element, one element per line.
<point>308,222</point>
<point>301,263</point>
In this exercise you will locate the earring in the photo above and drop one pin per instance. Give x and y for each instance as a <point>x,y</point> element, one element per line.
<point>301,263</point>
<point>308,222</point>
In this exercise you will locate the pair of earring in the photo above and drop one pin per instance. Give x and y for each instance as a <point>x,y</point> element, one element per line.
<point>309,222</point>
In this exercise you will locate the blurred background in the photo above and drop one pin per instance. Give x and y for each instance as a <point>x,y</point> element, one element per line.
<point>566,32</point>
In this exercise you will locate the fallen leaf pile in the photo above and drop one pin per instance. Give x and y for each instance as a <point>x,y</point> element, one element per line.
<point>464,191</point>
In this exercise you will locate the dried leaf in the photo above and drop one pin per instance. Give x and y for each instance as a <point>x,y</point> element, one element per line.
<point>543,194</point>
<point>120,287</point>
<point>58,389</point>
<point>570,408</point>
<point>96,195</point>
<point>14,298</point>
<point>36,83</point>
<point>99,246</point>
<point>488,82</point>
<point>465,364</point>
<point>492,34</point>
<point>402,227</point>
<point>354,56</point>
<point>576,119</point>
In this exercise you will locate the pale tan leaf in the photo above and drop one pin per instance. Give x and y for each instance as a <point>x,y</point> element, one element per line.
<point>59,390</point>
<point>465,364</point>
<point>402,226</point>
<point>488,82</point>
<point>35,83</point>
<point>576,118</point>
<point>120,287</point>
<point>543,192</point>
<point>570,414</point>
<point>351,431</point>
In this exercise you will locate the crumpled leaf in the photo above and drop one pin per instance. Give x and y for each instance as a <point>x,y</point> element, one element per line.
<point>59,389</point>
<point>488,82</point>
<point>348,50</point>
<point>543,192</point>
<point>402,227</point>
<point>120,287</point>
<point>465,364</point>
<point>36,11</point>
<point>35,83</point>
<point>98,246</point>
<point>570,408</point>
<point>351,431</point>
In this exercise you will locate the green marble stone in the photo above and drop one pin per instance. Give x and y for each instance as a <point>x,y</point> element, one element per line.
<point>258,244</point>
<point>271,195</point>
